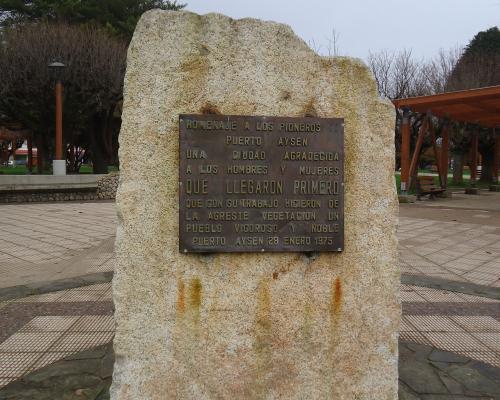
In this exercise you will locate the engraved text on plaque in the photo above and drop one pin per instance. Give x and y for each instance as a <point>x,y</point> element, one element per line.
<point>253,184</point>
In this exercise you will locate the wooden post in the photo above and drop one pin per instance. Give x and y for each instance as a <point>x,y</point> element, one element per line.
<point>405,152</point>
<point>434,148</point>
<point>418,147</point>
<point>445,149</point>
<point>59,133</point>
<point>496,155</point>
<point>29,139</point>
<point>473,163</point>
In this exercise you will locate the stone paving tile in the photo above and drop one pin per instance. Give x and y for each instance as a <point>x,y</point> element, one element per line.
<point>424,373</point>
<point>46,234</point>
<point>477,323</point>
<point>456,322</point>
<point>39,239</point>
<point>50,323</point>
<point>13,365</point>
<point>434,248</point>
<point>455,341</point>
<point>39,339</point>
<point>471,328</point>
<point>29,342</point>
<point>53,236</point>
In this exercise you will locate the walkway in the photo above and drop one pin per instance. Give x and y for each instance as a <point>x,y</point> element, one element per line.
<point>442,241</point>
<point>48,241</point>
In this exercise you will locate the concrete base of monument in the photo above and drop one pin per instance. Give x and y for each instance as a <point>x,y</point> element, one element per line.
<point>495,188</point>
<point>447,194</point>
<point>59,167</point>
<point>407,198</point>
<point>471,190</point>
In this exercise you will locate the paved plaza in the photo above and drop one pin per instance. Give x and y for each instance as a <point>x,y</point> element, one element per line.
<point>49,241</point>
<point>455,243</point>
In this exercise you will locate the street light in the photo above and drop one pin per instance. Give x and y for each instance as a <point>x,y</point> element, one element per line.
<point>59,163</point>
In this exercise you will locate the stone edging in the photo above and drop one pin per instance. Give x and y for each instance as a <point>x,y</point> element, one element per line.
<point>15,292</point>
<point>452,286</point>
<point>104,188</point>
<point>424,372</point>
<point>84,375</point>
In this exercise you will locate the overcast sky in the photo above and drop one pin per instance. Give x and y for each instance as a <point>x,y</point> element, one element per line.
<point>424,26</point>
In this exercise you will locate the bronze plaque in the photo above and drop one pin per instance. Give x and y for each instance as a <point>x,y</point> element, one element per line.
<point>255,184</point>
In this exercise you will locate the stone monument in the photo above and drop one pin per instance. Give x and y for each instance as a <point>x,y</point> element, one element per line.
<point>304,322</point>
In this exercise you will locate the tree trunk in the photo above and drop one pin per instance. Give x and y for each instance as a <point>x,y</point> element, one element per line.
<point>458,168</point>
<point>41,153</point>
<point>97,148</point>
<point>487,166</point>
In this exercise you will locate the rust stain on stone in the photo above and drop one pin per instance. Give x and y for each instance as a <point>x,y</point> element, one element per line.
<point>209,108</point>
<point>337,298</point>
<point>194,64</point>
<point>262,341</point>
<point>310,110</point>
<point>335,311</point>
<point>263,315</point>
<point>307,325</point>
<point>195,294</point>
<point>181,297</point>
<point>275,275</point>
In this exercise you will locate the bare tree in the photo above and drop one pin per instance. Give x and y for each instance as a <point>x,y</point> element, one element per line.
<point>333,44</point>
<point>381,65</point>
<point>397,75</point>
<point>332,48</point>
<point>93,84</point>
<point>438,70</point>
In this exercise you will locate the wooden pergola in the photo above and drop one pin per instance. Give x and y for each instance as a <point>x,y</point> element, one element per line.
<point>480,107</point>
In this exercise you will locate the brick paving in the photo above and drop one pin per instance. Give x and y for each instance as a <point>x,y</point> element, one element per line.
<point>53,241</point>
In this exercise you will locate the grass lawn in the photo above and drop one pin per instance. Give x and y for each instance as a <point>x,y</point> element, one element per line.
<point>22,170</point>
<point>450,184</point>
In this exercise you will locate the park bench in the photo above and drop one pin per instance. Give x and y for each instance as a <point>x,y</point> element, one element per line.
<point>427,185</point>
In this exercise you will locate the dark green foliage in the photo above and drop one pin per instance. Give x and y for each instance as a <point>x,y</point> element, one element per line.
<point>486,42</point>
<point>118,16</point>
<point>479,65</point>
<point>92,79</point>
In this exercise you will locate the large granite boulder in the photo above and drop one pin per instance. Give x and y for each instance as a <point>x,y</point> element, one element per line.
<point>250,325</point>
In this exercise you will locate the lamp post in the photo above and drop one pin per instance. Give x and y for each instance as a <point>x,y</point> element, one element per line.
<point>59,163</point>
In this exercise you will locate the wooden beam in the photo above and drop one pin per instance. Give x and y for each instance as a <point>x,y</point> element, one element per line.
<point>434,148</point>
<point>496,155</point>
<point>405,152</point>
<point>489,108</point>
<point>473,116</point>
<point>418,147</point>
<point>445,146</point>
<point>473,163</point>
<point>462,96</point>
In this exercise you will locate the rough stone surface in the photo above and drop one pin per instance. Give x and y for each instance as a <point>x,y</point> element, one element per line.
<point>471,190</point>
<point>37,196</point>
<point>107,185</point>
<point>237,326</point>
